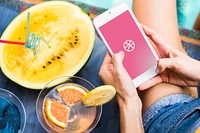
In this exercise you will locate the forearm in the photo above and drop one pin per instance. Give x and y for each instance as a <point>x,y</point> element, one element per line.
<point>131,118</point>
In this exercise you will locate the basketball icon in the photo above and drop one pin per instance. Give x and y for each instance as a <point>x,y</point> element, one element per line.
<point>129,45</point>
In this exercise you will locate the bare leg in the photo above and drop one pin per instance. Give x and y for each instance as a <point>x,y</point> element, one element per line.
<point>197,23</point>
<point>161,16</point>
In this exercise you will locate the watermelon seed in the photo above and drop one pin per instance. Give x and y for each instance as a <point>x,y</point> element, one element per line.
<point>88,13</point>
<point>52,58</point>
<point>58,57</point>
<point>19,38</point>
<point>49,62</point>
<point>44,67</point>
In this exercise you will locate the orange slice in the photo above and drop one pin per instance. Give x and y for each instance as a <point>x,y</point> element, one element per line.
<point>99,96</point>
<point>57,112</point>
<point>71,93</point>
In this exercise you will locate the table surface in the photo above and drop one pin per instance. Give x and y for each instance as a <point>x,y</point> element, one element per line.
<point>109,121</point>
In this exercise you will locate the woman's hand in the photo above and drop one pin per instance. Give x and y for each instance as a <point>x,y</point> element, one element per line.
<point>174,66</point>
<point>113,72</point>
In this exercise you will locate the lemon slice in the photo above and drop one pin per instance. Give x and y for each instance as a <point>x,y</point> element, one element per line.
<point>99,96</point>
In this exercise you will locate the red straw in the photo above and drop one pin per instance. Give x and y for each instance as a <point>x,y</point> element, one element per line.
<point>12,42</point>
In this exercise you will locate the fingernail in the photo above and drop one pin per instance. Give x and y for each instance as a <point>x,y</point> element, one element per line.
<point>121,52</point>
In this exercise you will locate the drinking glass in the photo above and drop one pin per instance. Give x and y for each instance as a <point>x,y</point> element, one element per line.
<point>12,113</point>
<point>80,119</point>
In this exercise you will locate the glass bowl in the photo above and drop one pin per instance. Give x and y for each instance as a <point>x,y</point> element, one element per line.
<point>12,113</point>
<point>80,118</point>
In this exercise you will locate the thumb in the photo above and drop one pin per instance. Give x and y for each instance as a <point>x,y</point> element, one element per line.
<point>121,75</point>
<point>118,59</point>
<point>155,80</point>
<point>165,63</point>
<point>118,67</point>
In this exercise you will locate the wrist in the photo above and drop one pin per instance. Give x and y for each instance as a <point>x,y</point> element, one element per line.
<point>132,105</point>
<point>131,116</point>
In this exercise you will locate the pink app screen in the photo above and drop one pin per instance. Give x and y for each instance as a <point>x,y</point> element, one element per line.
<point>122,34</point>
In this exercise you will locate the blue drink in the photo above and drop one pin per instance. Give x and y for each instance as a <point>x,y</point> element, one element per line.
<point>9,117</point>
<point>12,113</point>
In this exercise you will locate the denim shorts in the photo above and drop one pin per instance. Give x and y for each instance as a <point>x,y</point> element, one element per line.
<point>173,114</point>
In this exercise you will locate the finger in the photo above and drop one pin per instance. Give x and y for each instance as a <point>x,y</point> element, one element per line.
<point>107,69</point>
<point>118,59</point>
<point>150,83</point>
<point>106,74</point>
<point>107,59</point>
<point>118,67</point>
<point>118,64</point>
<point>164,63</point>
<point>157,40</point>
<point>106,65</point>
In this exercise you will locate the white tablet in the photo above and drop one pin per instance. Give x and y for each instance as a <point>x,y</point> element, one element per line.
<point>120,31</point>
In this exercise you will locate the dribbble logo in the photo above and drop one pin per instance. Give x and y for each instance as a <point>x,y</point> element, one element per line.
<point>129,45</point>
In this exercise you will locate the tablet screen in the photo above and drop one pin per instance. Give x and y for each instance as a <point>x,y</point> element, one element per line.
<point>122,34</point>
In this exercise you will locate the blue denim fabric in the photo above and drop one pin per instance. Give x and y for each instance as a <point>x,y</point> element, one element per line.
<point>176,118</point>
<point>163,103</point>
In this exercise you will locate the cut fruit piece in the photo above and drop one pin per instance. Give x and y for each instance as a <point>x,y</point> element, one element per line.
<point>57,112</point>
<point>71,93</point>
<point>66,28</point>
<point>99,96</point>
<point>198,130</point>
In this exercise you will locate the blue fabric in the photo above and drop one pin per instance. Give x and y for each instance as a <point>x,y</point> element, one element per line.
<point>8,13</point>
<point>162,103</point>
<point>176,118</point>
